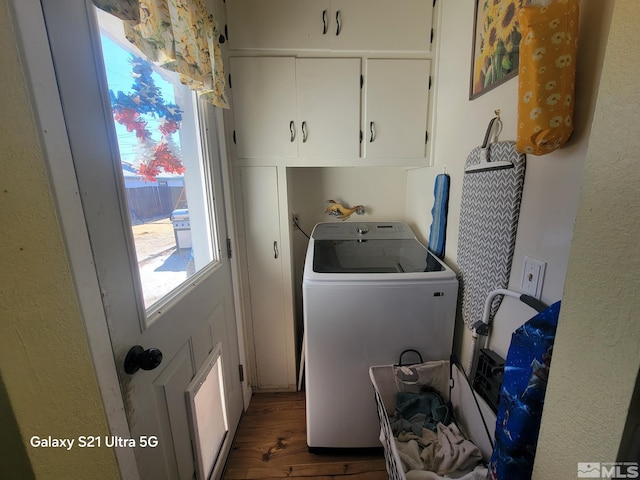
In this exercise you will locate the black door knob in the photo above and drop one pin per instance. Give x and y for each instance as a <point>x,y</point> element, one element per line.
<point>139,358</point>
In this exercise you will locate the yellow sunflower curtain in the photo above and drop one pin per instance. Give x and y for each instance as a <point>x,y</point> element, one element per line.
<point>179,35</point>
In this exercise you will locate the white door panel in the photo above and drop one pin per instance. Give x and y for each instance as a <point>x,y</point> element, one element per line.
<point>278,24</point>
<point>381,25</point>
<point>188,323</point>
<point>396,106</point>
<point>264,106</point>
<point>328,101</point>
<point>263,239</point>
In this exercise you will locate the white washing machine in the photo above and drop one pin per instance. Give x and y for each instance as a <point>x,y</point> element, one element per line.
<point>370,291</point>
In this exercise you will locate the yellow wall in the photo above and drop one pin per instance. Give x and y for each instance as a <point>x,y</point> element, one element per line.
<point>597,351</point>
<point>48,382</point>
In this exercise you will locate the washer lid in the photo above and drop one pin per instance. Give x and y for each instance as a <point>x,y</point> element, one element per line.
<point>373,256</point>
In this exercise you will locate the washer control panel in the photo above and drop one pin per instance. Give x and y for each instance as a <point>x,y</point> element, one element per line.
<point>352,230</point>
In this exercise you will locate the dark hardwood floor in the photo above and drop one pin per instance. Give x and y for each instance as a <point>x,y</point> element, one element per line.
<point>271,444</point>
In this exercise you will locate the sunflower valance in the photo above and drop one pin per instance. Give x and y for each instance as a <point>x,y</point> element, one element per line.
<point>179,35</point>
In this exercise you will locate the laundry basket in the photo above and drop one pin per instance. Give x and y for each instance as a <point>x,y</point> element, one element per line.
<point>444,376</point>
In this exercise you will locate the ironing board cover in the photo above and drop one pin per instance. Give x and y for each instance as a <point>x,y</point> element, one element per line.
<point>488,225</point>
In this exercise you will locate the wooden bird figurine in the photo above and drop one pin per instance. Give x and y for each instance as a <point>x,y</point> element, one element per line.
<point>338,210</point>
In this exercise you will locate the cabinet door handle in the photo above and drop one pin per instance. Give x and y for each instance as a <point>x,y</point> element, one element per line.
<point>292,130</point>
<point>338,23</point>
<point>275,249</point>
<point>372,130</point>
<point>325,24</point>
<point>304,132</point>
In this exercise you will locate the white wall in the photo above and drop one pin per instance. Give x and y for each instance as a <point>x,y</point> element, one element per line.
<point>552,183</point>
<point>592,182</point>
<point>597,350</point>
<point>380,190</point>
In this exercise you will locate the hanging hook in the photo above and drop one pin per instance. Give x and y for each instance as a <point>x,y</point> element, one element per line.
<point>498,125</point>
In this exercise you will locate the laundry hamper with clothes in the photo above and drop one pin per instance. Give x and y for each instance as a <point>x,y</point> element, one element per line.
<point>469,413</point>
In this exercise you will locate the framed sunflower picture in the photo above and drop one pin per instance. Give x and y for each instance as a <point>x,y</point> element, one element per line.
<point>496,44</point>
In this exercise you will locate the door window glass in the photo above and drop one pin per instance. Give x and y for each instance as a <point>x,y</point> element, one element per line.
<point>162,165</point>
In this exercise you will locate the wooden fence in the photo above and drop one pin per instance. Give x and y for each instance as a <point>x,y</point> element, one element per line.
<point>154,201</point>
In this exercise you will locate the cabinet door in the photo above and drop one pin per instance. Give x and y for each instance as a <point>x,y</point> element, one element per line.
<point>262,231</point>
<point>278,24</point>
<point>328,97</point>
<point>264,106</point>
<point>397,100</point>
<point>381,25</point>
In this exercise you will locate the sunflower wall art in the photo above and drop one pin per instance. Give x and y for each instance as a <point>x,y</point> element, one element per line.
<point>496,44</point>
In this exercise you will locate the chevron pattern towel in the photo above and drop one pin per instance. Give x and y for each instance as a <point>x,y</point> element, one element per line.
<point>438,232</point>
<point>488,225</point>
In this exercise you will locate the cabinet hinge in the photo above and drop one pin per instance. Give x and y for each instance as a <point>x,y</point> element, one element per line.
<point>226,31</point>
<point>230,81</point>
<point>234,138</point>
<point>229,252</point>
<point>241,372</point>
<point>429,82</point>
<point>434,2</point>
<point>431,41</point>
<point>426,137</point>
<point>360,136</point>
<point>361,81</point>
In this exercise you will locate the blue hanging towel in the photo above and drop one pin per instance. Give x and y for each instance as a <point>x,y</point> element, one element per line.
<point>438,232</point>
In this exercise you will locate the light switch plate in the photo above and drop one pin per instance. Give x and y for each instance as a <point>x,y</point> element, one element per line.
<point>533,276</point>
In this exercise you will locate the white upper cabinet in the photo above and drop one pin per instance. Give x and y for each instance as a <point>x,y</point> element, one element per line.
<point>381,25</point>
<point>278,24</point>
<point>310,108</point>
<point>264,106</point>
<point>396,106</point>
<point>286,108</point>
<point>328,101</point>
<point>338,25</point>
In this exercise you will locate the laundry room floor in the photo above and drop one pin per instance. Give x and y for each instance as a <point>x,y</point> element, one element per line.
<point>271,443</point>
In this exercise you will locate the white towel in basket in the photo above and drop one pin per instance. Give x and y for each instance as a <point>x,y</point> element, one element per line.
<point>479,473</point>
<point>444,452</point>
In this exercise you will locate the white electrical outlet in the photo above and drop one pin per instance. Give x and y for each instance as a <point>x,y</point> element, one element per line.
<point>533,276</point>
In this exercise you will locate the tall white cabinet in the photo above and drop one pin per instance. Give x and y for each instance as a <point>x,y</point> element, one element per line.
<point>315,83</point>
<point>270,318</point>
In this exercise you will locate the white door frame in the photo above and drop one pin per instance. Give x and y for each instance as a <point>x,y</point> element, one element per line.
<point>49,118</point>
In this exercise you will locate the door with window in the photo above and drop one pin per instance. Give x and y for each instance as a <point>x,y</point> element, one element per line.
<point>148,163</point>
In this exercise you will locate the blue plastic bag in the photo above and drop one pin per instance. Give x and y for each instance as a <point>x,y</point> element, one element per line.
<point>522,397</point>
